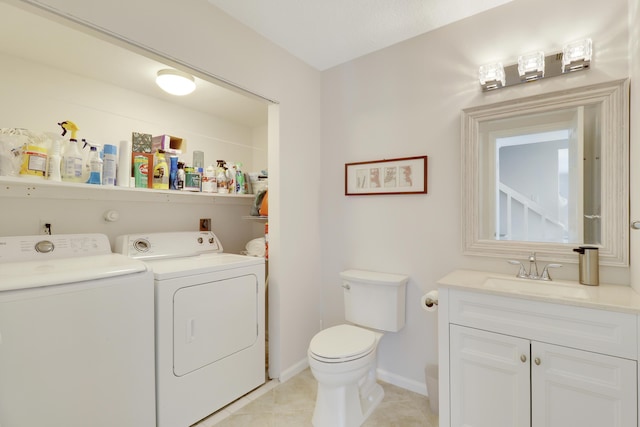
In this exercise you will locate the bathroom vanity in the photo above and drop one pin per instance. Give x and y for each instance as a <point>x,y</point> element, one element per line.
<point>518,352</point>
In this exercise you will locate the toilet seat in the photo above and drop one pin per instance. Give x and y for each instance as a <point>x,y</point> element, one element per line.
<point>342,343</point>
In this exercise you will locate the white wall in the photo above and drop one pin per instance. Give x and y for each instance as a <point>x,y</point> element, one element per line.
<point>406,100</point>
<point>202,36</point>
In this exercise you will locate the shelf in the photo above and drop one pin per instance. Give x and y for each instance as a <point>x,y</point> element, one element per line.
<point>256,218</point>
<point>43,189</point>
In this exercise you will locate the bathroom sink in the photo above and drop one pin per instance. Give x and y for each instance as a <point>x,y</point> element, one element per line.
<point>538,287</point>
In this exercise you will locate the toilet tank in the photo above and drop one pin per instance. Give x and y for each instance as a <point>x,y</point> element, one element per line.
<point>374,300</point>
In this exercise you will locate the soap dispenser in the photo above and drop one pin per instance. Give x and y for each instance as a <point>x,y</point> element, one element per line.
<point>589,265</point>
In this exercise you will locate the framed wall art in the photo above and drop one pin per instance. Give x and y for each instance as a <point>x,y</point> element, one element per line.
<point>407,175</point>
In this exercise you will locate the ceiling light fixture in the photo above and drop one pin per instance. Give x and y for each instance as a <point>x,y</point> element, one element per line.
<point>575,56</point>
<point>175,82</point>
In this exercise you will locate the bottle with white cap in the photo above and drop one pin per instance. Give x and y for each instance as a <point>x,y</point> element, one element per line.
<point>109,166</point>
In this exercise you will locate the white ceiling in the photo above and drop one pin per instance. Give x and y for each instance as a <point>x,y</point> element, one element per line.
<point>325,33</point>
<point>322,33</point>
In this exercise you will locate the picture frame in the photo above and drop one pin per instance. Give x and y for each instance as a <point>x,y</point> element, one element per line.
<point>407,175</point>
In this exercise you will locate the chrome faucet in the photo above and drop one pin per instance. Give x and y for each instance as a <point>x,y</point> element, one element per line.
<point>533,269</point>
<point>533,264</point>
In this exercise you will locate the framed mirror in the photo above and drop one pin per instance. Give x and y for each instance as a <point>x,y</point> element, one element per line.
<point>548,173</point>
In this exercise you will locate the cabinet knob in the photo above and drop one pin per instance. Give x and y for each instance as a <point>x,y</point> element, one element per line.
<point>523,358</point>
<point>537,361</point>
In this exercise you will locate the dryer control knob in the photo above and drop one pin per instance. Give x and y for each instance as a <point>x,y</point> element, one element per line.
<point>44,246</point>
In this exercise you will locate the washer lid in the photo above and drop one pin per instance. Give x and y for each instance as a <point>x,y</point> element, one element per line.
<point>342,342</point>
<point>33,274</point>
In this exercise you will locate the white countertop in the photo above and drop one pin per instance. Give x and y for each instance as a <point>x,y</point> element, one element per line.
<point>606,297</point>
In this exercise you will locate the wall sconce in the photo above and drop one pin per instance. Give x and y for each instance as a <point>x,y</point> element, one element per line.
<point>575,56</point>
<point>175,82</point>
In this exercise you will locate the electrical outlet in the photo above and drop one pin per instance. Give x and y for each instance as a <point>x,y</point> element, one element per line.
<point>45,226</point>
<point>205,224</point>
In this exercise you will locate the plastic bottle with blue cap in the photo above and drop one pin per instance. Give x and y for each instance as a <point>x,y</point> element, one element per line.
<point>94,164</point>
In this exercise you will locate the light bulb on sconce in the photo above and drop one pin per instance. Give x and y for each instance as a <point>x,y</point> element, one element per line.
<point>531,66</point>
<point>492,76</point>
<point>576,56</point>
<point>175,82</point>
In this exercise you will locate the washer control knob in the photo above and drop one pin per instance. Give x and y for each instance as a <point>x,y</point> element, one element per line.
<point>200,240</point>
<point>212,240</point>
<point>44,246</point>
<point>141,245</point>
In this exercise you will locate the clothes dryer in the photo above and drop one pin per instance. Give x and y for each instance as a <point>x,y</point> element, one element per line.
<point>210,322</point>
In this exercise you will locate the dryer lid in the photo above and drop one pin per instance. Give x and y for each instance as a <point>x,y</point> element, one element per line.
<point>342,342</point>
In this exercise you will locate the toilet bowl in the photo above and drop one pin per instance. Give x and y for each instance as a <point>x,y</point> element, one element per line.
<point>343,358</point>
<point>343,361</point>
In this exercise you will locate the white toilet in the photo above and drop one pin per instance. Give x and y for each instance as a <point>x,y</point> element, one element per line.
<point>343,358</point>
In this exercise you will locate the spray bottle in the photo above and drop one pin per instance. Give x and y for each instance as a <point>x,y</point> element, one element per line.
<point>94,164</point>
<point>173,172</point>
<point>231,177</point>
<point>221,178</point>
<point>72,158</point>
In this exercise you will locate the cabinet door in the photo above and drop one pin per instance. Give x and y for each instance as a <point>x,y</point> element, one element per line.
<point>489,380</point>
<point>578,388</point>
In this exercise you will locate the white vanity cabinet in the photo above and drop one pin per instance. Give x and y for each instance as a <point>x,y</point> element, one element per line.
<point>512,360</point>
<point>503,381</point>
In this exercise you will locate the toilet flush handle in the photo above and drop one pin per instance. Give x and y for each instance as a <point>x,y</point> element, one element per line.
<point>346,286</point>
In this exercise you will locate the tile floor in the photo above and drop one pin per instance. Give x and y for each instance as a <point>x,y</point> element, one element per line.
<point>291,403</point>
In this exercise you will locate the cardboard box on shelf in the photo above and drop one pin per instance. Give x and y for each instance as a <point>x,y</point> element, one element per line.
<point>170,144</point>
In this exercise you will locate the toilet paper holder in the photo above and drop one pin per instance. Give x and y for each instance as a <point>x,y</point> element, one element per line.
<point>430,302</point>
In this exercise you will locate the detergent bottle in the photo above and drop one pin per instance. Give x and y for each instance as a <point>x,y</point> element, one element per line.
<point>72,158</point>
<point>160,172</point>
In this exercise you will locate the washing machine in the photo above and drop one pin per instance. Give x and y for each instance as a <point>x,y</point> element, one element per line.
<point>210,322</point>
<point>76,334</point>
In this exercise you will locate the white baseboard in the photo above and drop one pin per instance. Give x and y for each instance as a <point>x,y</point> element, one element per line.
<point>397,380</point>
<point>294,370</point>
<point>402,382</point>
